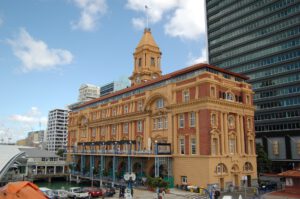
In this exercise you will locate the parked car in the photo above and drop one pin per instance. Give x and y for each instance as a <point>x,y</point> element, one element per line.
<point>48,192</point>
<point>77,192</point>
<point>93,191</point>
<point>61,194</point>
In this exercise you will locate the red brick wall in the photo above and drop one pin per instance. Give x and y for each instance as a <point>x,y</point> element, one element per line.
<point>179,96</point>
<point>192,93</point>
<point>204,124</point>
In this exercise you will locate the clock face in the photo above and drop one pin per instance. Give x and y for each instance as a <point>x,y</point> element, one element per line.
<point>231,121</point>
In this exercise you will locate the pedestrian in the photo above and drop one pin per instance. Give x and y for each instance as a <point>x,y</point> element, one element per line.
<point>217,194</point>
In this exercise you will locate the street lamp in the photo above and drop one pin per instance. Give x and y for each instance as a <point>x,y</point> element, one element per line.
<point>156,166</point>
<point>92,176</point>
<point>114,164</point>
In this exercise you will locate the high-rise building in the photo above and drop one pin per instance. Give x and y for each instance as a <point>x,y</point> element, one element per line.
<point>114,86</point>
<point>261,39</point>
<point>88,92</point>
<point>176,126</point>
<point>57,129</point>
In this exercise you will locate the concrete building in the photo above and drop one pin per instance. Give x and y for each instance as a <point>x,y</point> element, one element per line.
<point>88,92</point>
<point>261,39</point>
<point>114,86</point>
<point>193,126</point>
<point>57,129</point>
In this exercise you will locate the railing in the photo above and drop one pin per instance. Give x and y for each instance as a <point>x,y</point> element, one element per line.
<point>125,152</point>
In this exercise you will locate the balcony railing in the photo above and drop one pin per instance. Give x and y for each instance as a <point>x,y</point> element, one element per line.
<point>112,152</point>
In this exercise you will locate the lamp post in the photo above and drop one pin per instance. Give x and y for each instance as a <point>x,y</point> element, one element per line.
<point>129,166</point>
<point>114,164</point>
<point>156,166</point>
<point>92,184</point>
<point>101,164</point>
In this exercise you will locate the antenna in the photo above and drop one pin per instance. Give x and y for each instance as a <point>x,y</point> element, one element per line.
<point>147,21</point>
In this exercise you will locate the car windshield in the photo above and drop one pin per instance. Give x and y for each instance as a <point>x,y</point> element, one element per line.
<point>77,190</point>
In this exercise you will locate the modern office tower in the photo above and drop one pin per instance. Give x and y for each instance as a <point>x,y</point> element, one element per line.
<point>114,86</point>
<point>175,126</point>
<point>261,39</point>
<point>88,92</point>
<point>57,129</point>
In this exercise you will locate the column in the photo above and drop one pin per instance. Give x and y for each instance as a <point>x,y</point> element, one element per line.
<point>147,132</point>
<point>222,135</point>
<point>170,128</point>
<point>45,172</point>
<point>197,92</point>
<point>238,134</point>
<point>242,134</point>
<point>36,169</point>
<point>54,170</point>
<point>197,132</point>
<point>226,132</point>
<point>63,169</point>
<point>175,141</point>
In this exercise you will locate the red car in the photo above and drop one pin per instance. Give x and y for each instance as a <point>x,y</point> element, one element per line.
<point>94,191</point>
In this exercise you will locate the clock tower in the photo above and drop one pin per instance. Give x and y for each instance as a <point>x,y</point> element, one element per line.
<point>146,60</point>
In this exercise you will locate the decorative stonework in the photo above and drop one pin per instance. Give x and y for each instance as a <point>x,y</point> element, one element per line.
<point>231,121</point>
<point>214,119</point>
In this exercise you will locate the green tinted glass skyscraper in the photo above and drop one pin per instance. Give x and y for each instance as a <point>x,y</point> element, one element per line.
<point>261,39</point>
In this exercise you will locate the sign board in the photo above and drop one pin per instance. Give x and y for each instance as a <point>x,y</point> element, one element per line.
<point>163,148</point>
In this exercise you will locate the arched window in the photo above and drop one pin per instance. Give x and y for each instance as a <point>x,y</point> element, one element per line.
<point>221,169</point>
<point>160,103</point>
<point>213,120</point>
<point>248,166</point>
<point>229,96</point>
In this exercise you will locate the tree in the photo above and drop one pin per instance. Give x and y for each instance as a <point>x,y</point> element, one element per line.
<point>60,152</point>
<point>263,162</point>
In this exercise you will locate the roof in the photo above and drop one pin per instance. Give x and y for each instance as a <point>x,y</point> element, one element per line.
<point>162,78</point>
<point>8,153</point>
<point>23,189</point>
<point>147,39</point>
<point>38,153</point>
<point>290,173</point>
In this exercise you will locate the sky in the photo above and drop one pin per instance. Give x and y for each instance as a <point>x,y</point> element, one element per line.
<point>48,48</point>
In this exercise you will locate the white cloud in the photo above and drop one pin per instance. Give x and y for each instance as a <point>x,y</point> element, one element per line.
<point>200,59</point>
<point>91,10</point>
<point>31,118</point>
<point>184,18</point>
<point>36,55</point>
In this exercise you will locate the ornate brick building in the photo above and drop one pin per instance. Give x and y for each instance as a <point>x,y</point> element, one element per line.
<point>193,126</point>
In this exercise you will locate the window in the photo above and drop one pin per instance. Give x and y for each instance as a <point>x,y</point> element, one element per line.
<point>165,122</point>
<point>125,108</point>
<point>138,80</point>
<point>214,147</point>
<point>114,112</point>
<point>221,168</point>
<point>248,166</point>
<point>160,103</point>
<point>93,132</point>
<point>192,119</point>
<point>232,145</point>
<point>139,126</point>
<point>229,96</point>
<point>298,147</point>
<point>275,147</point>
<point>159,123</point>
<point>231,121</point>
<point>247,99</point>
<point>186,96</point>
<point>125,128</point>
<point>113,129</point>
<point>183,180</point>
<point>154,124</point>
<point>212,91</point>
<point>213,120</point>
<point>103,131</point>
<point>152,61</point>
<point>181,120</point>
<point>140,62</point>
<point>140,105</point>
<point>182,146</point>
<point>193,146</point>
<point>103,113</point>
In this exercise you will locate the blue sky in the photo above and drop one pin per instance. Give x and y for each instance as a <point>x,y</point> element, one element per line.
<point>48,48</point>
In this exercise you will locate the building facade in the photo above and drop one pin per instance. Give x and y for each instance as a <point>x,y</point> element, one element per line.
<point>88,92</point>
<point>114,86</point>
<point>261,39</point>
<point>191,127</point>
<point>57,129</point>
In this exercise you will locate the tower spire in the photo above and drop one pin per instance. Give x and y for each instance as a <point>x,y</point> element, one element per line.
<point>147,20</point>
